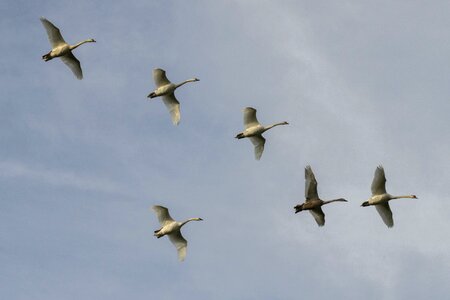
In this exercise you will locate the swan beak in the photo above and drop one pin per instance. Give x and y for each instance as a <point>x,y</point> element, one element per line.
<point>196,79</point>
<point>415,197</point>
<point>94,41</point>
<point>200,219</point>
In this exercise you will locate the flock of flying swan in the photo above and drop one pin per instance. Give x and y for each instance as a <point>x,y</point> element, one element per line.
<point>252,130</point>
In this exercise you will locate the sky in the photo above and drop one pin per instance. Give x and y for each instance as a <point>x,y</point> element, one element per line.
<point>362,83</point>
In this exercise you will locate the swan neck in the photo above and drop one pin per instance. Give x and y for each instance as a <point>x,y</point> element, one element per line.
<point>184,82</point>
<point>334,200</point>
<point>400,197</point>
<point>187,221</point>
<point>273,125</point>
<point>79,44</point>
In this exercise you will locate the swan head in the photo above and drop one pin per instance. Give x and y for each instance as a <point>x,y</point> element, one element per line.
<point>285,123</point>
<point>414,197</point>
<point>366,203</point>
<point>195,79</point>
<point>298,208</point>
<point>92,40</point>
<point>197,219</point>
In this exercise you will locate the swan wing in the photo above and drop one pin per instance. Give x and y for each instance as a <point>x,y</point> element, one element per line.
<point>318,215</point>
<point>386,214</point>
<point>163,214</point>
<point>73,63</point>
<point>310,184</point>
<point>180,243</point>
<point>250,117</point>
<point>54,35</point>
<point>173,106</point>
<point>379,182</point>
<point>258,141</point>
<point>159,76</point>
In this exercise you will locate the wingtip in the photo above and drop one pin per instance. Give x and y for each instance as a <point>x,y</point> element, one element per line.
<point>155,207</point>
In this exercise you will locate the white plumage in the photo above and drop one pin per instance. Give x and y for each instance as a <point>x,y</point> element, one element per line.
<point>171,228</point>
<point>61,49</point>
<point>380,198</point>
<point>254,130</point>
<point>166,90</point>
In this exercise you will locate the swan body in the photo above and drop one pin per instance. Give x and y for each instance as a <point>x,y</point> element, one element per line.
<point>61,49</point>
<point>313,203</point>
<point>254,130</point>
<point>171,228</point>
<point>380,198</point>
<point>166,89</point>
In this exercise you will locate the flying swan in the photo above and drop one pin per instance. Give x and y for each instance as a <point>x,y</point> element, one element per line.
<point>171,228</point>
<point>254,130</point>
<point>380,198</point>
<point>61,49</point>
<point>166,89</point>
<point>313,203</point>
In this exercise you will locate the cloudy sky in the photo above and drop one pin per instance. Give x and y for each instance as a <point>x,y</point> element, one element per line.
<point>361,83</point>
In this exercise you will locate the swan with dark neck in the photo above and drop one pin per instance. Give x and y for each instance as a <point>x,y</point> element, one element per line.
<point>313,203</point>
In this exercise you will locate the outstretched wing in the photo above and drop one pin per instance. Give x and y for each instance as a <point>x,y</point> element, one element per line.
<point>54,35</point>
<point>386,214</point>
<point>258,141</point>
<point>173,106</point>
<point>163,214</point>
<point>159,76</point>
<point>180,243</point>
<point>310,184</point>
<point>250,117</point>
<point>318,215</point>
<point>73,63</point>
<point>379,182</point>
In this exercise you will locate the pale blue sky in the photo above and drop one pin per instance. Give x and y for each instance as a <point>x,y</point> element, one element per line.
<point>81,162</point>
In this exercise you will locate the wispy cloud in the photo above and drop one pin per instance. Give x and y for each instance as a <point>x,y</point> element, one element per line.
<point>64,178</point>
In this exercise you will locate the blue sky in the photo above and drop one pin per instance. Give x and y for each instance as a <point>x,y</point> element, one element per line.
<point>81,162</point>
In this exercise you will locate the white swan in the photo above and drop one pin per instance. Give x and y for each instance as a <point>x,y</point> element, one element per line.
<point>166,89</point>
<point>313,203</point>
<point>254,131</point>
<point>61,49</point>
<point>380,197</point>
<point>171,228</point>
